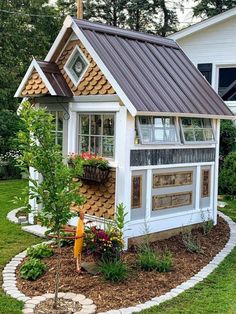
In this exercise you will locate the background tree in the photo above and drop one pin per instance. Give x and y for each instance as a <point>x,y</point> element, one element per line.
<point>206,8</point>
<point>21,37</point>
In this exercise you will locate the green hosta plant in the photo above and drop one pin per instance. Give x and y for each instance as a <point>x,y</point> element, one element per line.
<point>55,189</point>
<point>32,269</point>
<point>40,251</point>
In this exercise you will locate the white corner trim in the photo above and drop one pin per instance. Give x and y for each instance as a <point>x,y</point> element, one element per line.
<point>203,24</point>
<point>105,71</point>
<point>34,65</point>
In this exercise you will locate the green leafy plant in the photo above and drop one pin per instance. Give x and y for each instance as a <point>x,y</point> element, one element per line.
<point>147,258</point>
<point>165,262</point>
<point>32,269</point>
<point>57,190</point>
<point>40,251</point>
<point>191,243</point>
<point>114,271</point>
<point>227,177</point>
<point>207,223</point>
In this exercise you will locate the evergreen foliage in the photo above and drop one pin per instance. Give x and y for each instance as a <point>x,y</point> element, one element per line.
<point>206,8</point>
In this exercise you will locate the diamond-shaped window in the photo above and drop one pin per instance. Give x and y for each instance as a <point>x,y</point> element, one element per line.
<point>76,66</point>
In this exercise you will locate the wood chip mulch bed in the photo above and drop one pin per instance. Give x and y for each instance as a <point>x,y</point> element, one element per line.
<point>141,286</point>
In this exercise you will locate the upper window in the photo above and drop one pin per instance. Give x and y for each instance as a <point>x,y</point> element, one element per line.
<point>227,84</point>
<point>157,130</point>
<point>58,127</point>
<point>96,134</point>
<point>76,66</point>
<point>197,130</point>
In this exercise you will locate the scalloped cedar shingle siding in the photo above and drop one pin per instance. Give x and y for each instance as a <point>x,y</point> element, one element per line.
<point>93,82</point>
<point>100,198</point>
<point>34,86</point>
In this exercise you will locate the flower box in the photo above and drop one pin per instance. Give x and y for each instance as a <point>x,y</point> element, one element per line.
<point>89,167</point>
<point>93,173</point>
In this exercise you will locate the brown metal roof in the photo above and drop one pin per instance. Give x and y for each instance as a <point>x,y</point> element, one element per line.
<point>55,78</point>
<point>153,71</point>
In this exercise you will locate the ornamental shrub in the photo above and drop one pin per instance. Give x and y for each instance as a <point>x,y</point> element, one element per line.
<point>147,258</point>
<point>114,271</point>
<point>40,251</point>
<point>191,243</point>
<point>165,262</point>
<point>32,269</point>
<point>227,177</point>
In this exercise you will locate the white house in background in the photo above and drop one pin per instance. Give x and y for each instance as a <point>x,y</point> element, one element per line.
<point>137,100</point>
<point>211,46</point>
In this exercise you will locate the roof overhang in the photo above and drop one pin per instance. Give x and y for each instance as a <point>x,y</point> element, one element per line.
<point>203,24</point>
<point>193,115</point>
<point>51,77</point>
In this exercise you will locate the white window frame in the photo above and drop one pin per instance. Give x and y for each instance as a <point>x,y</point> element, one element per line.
<point>67,68</point>
<point>197,142</point>
<point>153,127</point>
<point>79,114</point>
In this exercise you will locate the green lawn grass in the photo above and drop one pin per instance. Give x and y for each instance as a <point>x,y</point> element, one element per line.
<point>216,294</point>
<point>12,239</point>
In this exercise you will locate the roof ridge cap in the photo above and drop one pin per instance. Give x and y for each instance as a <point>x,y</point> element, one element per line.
<point>113,30</point>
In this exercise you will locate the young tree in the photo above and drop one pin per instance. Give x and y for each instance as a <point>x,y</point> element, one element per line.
<point>205,8</point>
<point>56,190</point>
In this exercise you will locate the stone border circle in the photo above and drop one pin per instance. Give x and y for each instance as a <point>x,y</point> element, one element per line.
<point>11,216</point>
<point>88,307</point>
<point>10,288</point>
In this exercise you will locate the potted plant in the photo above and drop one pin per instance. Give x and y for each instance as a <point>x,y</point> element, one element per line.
<point>94,167</point>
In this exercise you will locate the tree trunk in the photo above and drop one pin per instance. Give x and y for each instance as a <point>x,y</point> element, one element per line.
<point>58,270</point>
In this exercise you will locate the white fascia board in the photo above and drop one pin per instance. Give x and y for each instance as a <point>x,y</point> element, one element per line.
<point>187,115</point>
<point>105,71</point>
<point>203,24</point>
<point>34,65</point>
<point>24,80</point>
<point>67,24</point>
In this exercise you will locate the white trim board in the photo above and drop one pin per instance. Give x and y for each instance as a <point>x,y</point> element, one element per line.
<point>94,107</point>
<point>203,24</point>
<point>34,65</point>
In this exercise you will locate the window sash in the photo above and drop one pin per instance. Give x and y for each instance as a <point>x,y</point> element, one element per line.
<point>195,131</point>
<point>151,128</point>
<point>102,137</point>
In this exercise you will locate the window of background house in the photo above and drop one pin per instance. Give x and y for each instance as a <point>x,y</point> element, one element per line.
<point>197,130</point>
<point>227,84</point>
<point>58,126</point>
<point>96,134</point>
<point>156,130</point>
<point>206,70</point>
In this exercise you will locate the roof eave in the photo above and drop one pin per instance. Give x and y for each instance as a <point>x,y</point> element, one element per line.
<point>194,115</point>
<point>203,24</point>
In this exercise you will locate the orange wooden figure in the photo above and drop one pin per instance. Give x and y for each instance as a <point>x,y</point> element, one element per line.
<point>79,240</point>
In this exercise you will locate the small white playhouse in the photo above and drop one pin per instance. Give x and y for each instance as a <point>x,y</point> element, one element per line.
<point>137,100</point>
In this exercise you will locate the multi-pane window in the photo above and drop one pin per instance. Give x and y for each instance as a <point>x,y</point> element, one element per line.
<point>96,134</point>
<point>154,130</point>
<point>58,127</point>
<point>197,130</point>
<point>227,84</point>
